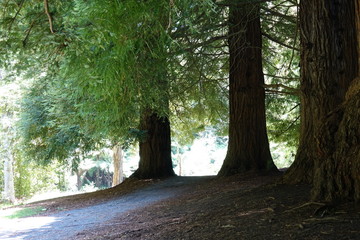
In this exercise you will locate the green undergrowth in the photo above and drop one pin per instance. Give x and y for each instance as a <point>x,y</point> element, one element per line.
<point>26,212</point>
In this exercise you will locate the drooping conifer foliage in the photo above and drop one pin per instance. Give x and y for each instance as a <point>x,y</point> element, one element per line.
<point>106,70</point>
<point>112,61</point>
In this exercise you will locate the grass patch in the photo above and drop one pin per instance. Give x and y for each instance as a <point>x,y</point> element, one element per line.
<point>5,205</point>
<point>26,212</point>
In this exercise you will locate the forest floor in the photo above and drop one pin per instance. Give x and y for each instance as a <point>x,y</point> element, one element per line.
<point>250,207</point>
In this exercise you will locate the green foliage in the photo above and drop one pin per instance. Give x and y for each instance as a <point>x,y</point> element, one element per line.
<point>281,68</point>
<point>108,60</point>
<point>31,178</point>
<point>26,212</point>
<point>47,125</point>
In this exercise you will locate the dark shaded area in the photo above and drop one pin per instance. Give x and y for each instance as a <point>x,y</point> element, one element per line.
<point>337,176</point>
<point>240,207</point>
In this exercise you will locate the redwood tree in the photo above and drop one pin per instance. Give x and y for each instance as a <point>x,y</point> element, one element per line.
<point>155,148</point>
<point>337,166</point>
<point>328,56</point>
<point>248,147</point>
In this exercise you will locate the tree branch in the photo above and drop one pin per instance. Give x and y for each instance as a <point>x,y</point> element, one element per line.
<point>275,13</point>
<point>287,78</point>
<point>204,43</point>
<point>290,125</point>
<point>279,42</point>
<point>228,4</point>
<point>16,14</point>
<point>28,33</point>
<point>282,92</point>
<point>281,86</point>
<point>46,7</point>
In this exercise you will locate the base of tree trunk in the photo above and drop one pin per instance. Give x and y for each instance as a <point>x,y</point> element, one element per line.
<point>138,174</point>
<point>238,166</point>
<point>301,171</point>
<point>155,148</point>
<point>337,168</point>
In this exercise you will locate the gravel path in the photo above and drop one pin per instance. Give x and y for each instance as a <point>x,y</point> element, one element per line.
<point>68,224</point>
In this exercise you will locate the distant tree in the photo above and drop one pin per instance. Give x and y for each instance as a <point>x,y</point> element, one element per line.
<point>118,162</point>
<point>9,161</point>
<point>248,147</point>
<point>9,111</point>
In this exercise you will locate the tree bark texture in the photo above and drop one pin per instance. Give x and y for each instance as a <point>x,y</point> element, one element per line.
<point>337,172</point>
<point>328,54</point>
<point>357,23</point>
<point>248,147</point>
<point>155,149</point>
<point>118,160</point>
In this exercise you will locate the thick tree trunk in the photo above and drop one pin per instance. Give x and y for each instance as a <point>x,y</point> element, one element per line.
<point>118,159</point>
<point>337,172</point>
<point>155,149</point>
<point>327,61</point>
<point>357,25</point>
<point>248,147</point>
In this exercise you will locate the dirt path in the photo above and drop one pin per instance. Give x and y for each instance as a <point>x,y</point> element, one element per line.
<point>245,207</point>
<point>67,224</point>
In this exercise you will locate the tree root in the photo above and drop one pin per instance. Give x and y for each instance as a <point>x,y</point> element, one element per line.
<point>305,205</point>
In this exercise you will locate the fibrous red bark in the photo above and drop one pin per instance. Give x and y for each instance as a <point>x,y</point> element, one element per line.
<point>155,148</point>
<point>328,64</point>
<point>248,147</point>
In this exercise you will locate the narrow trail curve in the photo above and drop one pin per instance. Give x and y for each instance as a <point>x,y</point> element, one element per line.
<point>67,224</point>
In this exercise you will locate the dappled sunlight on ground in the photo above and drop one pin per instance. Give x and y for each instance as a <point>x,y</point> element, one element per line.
<point>19,228</point>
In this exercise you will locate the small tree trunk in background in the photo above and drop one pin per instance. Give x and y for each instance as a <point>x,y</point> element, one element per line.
<point>79,177</point>
<point>248,147</point>
<point>97,178</point>
<point>180,162</point>
<point>155,149</point>
<point>118,159</point>
<point>9,189</point>
<point>328,54</point>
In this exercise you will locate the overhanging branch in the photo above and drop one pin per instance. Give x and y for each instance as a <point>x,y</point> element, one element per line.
<point>16,14</point>
<point>279,42</point>
<point>291,91</point>
<point>46,7</point>
<point>240,3</point>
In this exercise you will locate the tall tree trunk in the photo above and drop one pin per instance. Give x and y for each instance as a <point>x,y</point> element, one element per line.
<point>118,160</point>
<point>248,147</point>
<point>357,25</point>
<point>337,167</point>
<point>155,149</point>
<point>327,60</point>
